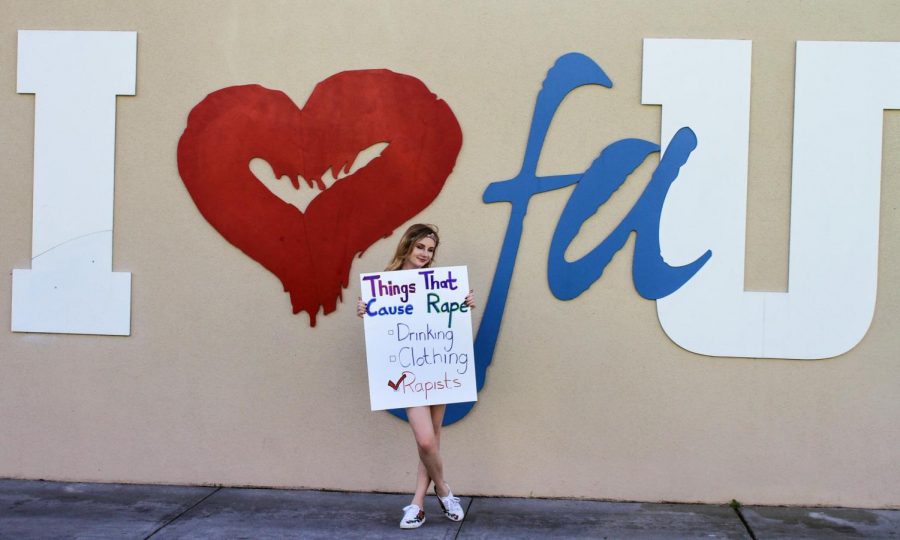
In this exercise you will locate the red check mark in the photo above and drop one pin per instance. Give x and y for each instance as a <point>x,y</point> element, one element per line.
<point>396,385</point>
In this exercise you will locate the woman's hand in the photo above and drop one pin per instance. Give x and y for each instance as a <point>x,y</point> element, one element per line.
<point>470,299</point>
<point>360,307</point>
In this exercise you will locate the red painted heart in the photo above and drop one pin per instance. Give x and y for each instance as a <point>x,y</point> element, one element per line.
<point>311,251</point>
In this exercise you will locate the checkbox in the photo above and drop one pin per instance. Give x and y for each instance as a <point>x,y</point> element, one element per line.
<point>390,332</point>
<point>393,358</point>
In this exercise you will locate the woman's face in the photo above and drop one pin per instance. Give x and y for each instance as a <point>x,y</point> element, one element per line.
<point>421,254</point>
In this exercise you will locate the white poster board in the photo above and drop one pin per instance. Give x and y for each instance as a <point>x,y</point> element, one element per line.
<point>418,337</point>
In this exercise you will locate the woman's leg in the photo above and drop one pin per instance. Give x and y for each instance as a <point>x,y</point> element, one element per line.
<point>423,479</point>
<point>422,422</point>
<point>437,418</point>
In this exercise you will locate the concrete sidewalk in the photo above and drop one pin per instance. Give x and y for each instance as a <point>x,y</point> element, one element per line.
<point>35,509</point>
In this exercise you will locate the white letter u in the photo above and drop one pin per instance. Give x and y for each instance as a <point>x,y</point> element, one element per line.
<point>841,91</point>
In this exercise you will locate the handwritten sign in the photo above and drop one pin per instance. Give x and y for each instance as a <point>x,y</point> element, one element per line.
<point>418,337</point>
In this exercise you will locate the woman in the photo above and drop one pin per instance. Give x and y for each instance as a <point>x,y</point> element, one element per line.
<point>416,250</point>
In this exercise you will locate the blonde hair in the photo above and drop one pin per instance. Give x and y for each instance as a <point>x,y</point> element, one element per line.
<point>408,243</point>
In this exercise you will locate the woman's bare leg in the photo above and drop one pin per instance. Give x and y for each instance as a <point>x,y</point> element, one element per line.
<point>423,479</point>
<point>426,425</point>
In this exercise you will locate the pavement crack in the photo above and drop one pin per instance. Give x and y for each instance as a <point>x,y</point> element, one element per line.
<point>463,522</point>
<point>740,515</point>
<point>185,511</point>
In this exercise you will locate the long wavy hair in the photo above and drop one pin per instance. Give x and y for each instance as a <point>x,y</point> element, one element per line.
<point>408,243</point>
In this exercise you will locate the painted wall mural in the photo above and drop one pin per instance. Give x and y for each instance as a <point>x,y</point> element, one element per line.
<point>653,277</point>
<point>689,221</point>
<point>311,251</point>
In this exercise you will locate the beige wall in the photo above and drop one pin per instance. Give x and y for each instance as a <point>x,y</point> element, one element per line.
<point>220,384</point>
